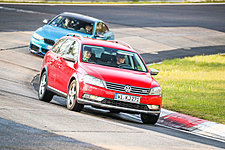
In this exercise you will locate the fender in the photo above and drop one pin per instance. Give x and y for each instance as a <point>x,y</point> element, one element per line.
<point>46,70</point>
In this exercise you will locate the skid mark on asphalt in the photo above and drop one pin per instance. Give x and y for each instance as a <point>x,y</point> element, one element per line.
<point>14,48</point>
<point>21,10</point>
<point>18,94</point>
<point>12,81</point>
<point>19,65</point>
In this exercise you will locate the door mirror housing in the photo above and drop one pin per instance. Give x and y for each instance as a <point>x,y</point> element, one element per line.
<point>100,35</point>
<point>153,72</point>
<point>68,58</point>
<point>46,21</point>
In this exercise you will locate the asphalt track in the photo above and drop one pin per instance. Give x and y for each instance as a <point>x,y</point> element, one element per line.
<point>29,17</point>
<point>19,136</point>
<point>206,16</point>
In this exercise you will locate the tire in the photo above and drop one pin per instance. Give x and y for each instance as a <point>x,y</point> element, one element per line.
<point>43,93</point>
<point>71,101</point>
<point>114,111</point>
<point>149,119</point>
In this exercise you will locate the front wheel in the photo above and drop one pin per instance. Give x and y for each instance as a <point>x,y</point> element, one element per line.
<point>71,102</point>
<point>149,119</point>
<point>43,93</point>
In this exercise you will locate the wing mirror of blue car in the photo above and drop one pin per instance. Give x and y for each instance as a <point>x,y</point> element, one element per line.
<point>100,35</point>
<point>153,72</point>
<point>46,21</point>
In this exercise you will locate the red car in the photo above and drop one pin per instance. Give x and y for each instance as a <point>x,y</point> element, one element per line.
<point>104,74</point>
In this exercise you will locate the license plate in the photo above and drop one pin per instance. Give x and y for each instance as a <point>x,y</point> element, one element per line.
<point>127,98</point>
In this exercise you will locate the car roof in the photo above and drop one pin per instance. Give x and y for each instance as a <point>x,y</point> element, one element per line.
<point>81,17</point>
<point>110,44</point>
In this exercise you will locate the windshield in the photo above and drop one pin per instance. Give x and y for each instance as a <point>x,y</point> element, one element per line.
<point>112,57</point>
<point>73,24</point>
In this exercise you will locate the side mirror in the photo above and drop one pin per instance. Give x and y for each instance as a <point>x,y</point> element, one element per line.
<point>153,71</point>
<point>68,58</point>
<point>100,35</point>
<point>46,21</point>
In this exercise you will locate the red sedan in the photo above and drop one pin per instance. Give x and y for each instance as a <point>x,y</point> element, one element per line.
<point>103,74</point>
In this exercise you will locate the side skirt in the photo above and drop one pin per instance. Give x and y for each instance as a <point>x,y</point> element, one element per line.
<point>57,92</point>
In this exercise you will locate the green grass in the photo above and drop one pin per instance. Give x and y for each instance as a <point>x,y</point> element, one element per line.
<point>194,86</point>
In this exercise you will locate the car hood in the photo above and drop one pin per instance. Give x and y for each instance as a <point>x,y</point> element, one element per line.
<point>54,33</point>
<point>119,76</point>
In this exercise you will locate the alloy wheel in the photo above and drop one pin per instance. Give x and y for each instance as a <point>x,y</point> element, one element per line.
<point>72,95</point>
<point>42,87</point>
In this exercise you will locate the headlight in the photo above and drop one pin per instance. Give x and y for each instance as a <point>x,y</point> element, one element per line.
<point>155,91</point>
<point>37,36</point>
<point>94,81</point>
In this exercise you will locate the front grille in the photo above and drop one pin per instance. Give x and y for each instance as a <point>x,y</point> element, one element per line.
<point>125,104</point>
<point>121,88</point>
<point>35,48</point>
<point>50,42</point>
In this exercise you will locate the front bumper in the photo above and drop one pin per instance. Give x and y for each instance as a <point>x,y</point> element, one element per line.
<point>38,46</point>
<point>102,104</point>
<point>105,98</point>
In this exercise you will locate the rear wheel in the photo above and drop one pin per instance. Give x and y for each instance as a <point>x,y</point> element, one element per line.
<point>72,103</point>
<point>149,119</point>
<point>43,93</point>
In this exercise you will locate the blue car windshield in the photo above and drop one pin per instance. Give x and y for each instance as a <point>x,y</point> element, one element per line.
<point>73,24</point>
<point>112,57</point>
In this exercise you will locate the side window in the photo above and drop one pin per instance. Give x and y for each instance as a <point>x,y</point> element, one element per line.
<point>65,46</point>
<point>139,65</point>
<point>56,47</point>
<point>72,52</point>
<point>105,28</point>
<point>101,28</point>
<point>56,21</point>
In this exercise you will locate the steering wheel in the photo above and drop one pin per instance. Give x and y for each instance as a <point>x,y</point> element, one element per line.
<point>124,66</point>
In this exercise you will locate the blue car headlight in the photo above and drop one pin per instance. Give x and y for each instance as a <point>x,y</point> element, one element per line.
<point>37,36</point>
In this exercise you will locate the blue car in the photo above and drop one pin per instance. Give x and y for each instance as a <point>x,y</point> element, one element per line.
<point>45,37</point>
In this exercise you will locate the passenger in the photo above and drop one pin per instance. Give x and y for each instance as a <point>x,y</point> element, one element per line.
<point>88,29</point>
<point>86,54</point>
<point>66,24</point>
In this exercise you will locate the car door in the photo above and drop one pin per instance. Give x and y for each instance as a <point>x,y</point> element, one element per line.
<point>68,58</point>
<point>52,58</point>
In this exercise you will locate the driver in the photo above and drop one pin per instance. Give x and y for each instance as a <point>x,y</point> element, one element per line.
<point>120,59</point>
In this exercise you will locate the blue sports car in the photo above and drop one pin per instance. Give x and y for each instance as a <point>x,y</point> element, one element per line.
<point>45,37</point>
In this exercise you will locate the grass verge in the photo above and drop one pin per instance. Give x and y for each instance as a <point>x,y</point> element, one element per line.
<point>194,86</point>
